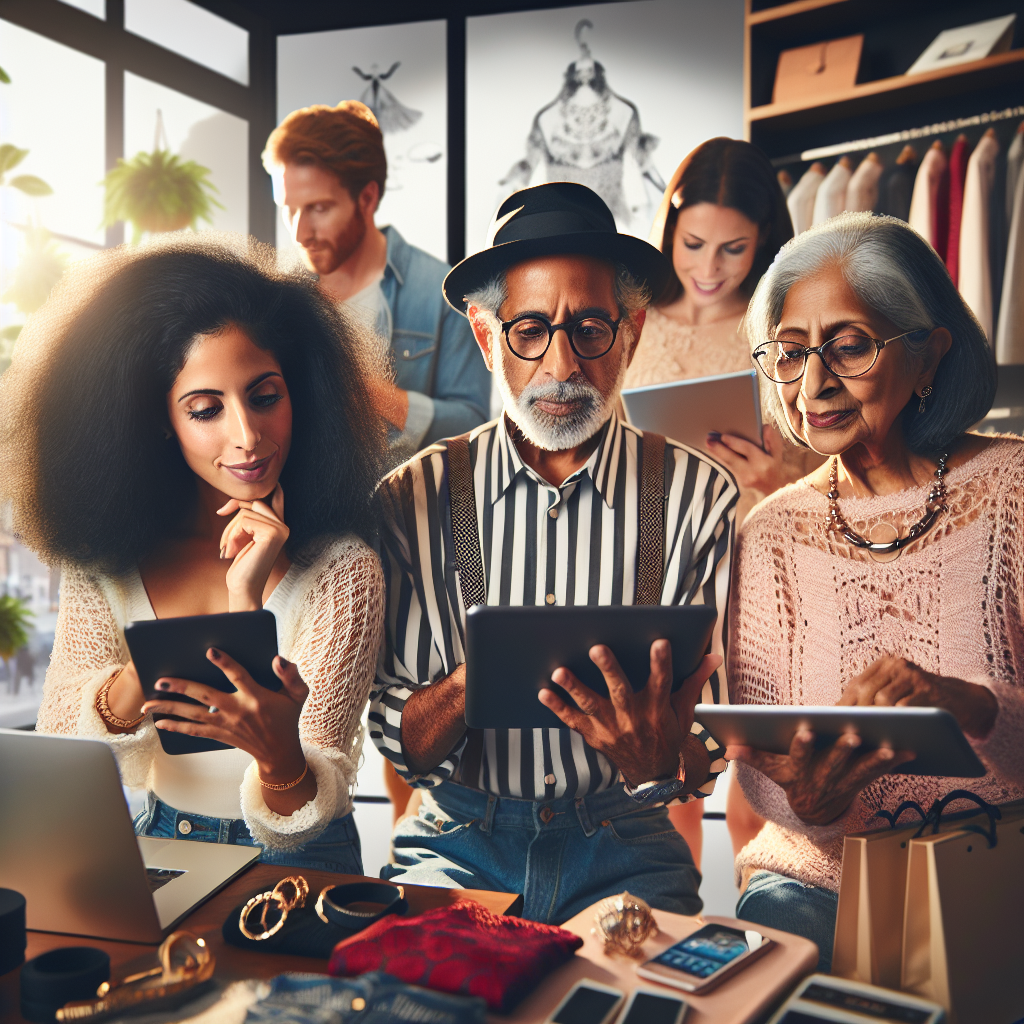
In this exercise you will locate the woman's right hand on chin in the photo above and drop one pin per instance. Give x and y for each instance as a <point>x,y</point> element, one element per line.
<point>253,539</point>
<point>821,784</point>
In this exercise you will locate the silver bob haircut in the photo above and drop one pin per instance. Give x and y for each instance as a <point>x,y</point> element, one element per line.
<point>895,272</point>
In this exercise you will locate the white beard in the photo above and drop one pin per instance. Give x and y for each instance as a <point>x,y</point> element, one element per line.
<point>557,433</point>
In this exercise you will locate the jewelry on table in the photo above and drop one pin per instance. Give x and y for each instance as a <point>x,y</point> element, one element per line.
<point>625,923</point>
<point>285,904</point>
<point>886,550</point>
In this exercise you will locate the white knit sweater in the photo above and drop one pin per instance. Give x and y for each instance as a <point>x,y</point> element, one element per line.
<point>330,615</point>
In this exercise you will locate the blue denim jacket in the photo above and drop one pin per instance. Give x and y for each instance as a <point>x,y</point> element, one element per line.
<point>436,358</point>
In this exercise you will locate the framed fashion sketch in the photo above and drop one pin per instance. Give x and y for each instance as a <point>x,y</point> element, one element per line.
<point>609,95</point>
<point>400,72</point>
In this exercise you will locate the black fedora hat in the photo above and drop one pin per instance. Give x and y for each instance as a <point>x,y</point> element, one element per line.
<point>559,218</point>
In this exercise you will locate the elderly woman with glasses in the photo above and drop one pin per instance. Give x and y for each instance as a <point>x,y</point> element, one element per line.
<point>892,575</point>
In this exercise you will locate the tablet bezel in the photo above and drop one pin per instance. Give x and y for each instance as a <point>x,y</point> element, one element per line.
<point>943,750</point>
<point>501,692</point>
<point>177,647</point>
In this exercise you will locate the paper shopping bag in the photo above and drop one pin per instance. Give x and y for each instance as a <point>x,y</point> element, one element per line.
<point>963,928</point>
<point>869,921</point>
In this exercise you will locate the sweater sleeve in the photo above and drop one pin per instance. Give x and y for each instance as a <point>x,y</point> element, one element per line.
<point>88,649</point>
<point>333,635</point>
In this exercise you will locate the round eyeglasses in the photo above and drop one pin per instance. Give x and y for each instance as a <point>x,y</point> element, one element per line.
<point>849,355</point>
<point>529,336</point>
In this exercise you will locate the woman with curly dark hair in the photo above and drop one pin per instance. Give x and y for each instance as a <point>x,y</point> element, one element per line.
<point>159,411</point>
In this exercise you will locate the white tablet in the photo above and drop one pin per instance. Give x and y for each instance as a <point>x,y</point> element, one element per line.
<point>689,410</point>
<point>932,733</point>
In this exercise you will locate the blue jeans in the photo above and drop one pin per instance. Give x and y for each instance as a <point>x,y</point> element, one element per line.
<point>562,855</point>
<point>784,903</point>
<point>335,849</point>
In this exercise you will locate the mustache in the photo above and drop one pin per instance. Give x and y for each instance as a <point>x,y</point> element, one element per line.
<point>576,389</point>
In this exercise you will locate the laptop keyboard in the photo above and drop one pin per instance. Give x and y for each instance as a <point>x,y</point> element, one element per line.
<point>157,877</point>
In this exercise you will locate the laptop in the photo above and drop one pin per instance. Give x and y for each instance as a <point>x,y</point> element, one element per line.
<point>68,846</point>
<point>689,410</point>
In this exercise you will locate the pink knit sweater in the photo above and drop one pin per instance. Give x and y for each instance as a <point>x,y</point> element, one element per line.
<point>809,613</point>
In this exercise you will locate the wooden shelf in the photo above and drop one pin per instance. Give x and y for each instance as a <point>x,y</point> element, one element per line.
<point>887,92</point>
<point>789,10</point>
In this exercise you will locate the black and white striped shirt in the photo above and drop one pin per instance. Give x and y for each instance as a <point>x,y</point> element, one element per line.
<point>570,545</point>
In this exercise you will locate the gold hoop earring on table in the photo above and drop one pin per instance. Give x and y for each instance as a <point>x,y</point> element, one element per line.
<point>285,904</point>
<point>925,392</point>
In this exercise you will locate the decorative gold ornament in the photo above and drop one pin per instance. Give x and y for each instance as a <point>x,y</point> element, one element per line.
<point>625,923</point>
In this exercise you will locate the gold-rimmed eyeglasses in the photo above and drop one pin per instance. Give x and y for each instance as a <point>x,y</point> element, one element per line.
<point>849,355</point>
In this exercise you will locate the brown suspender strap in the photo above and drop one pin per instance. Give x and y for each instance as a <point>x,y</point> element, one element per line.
<point>650,562</point>
<point>468,563</point>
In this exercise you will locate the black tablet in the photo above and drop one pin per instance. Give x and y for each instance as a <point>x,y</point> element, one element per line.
<point>177,647</point>
<point>932,733</point>
<point>511,653</point>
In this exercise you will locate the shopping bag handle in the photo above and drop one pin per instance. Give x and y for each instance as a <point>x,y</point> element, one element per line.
<point>934,815</point>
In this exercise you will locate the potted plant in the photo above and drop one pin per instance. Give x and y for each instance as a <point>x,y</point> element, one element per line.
<point>158,191</point>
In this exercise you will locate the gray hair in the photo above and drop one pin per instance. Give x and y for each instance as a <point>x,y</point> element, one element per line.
<point>631,294</point>
<point>895,272</point>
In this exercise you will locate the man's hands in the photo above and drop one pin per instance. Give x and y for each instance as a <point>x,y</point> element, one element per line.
<point>253,539</point>
<point>896,682</point>
<point>641,733</point>
<point>821,785</point>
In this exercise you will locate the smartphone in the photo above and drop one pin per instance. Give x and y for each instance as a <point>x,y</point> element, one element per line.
<point>647,1007</point>
<point>705,958</point>
<point>588,1002</point>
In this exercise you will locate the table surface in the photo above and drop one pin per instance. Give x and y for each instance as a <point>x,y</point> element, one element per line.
<point>740,1000</point>
<point>234,964</point>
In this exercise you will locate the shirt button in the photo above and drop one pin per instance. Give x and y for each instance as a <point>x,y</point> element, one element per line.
<point>553,512</point>
<point>546,814</point>
<point>405,352</point>
<point>184,826</point>
<point>549,780</point>
<point>550,599</point>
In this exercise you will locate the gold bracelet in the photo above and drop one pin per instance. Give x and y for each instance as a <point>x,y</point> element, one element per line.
<point>286,785</point>
<point>103,707</point>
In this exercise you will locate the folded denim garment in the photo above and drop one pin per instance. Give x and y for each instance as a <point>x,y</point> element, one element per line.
<point>463,948</point>
<point>371,999</point>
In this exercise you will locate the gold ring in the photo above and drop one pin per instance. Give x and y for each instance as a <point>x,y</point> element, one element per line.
<point>285,904</point>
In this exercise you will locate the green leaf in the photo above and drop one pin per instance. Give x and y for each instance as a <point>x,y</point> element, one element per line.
<point>14,625</point>
<point>10,157</point>
<point>31,185</point>
<point>4,77</point>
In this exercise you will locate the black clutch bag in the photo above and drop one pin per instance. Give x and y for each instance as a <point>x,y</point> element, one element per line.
<point>286,920</point>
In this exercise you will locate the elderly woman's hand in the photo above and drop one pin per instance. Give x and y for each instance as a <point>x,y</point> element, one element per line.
<point>821,784</point>
<point>896,682</point>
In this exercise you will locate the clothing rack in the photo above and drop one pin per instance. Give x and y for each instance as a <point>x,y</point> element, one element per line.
<point>905,136</point>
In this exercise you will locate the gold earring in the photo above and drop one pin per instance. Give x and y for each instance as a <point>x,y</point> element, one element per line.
<point>925,392</point>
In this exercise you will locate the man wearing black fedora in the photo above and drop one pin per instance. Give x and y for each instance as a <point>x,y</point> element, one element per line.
<point>557,502</point>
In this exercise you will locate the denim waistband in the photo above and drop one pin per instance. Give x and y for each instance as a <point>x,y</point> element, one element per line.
<point>586,812</point>
<point>201,827</point>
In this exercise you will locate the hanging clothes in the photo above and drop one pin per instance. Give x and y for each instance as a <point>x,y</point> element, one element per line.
<point>975,230</point>
<point>862,191</point>
<point>831,197</point>
<point>929,206</point>
<point>958,158</point>
<point>785,180</point>
<point>1014,161</point>
<point>1010,333</point>
<point>801,200</point>
<point>896,186</point>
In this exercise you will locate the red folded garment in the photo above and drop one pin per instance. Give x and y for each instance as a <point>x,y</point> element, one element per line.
<point>463,949</point>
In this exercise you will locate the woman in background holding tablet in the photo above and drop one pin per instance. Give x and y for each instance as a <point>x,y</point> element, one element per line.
<point>721,221</point>
<point>187,432</point>
<point>870,356</point>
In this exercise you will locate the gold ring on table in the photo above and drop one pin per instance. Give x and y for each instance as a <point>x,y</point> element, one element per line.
<point>284,904</point>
